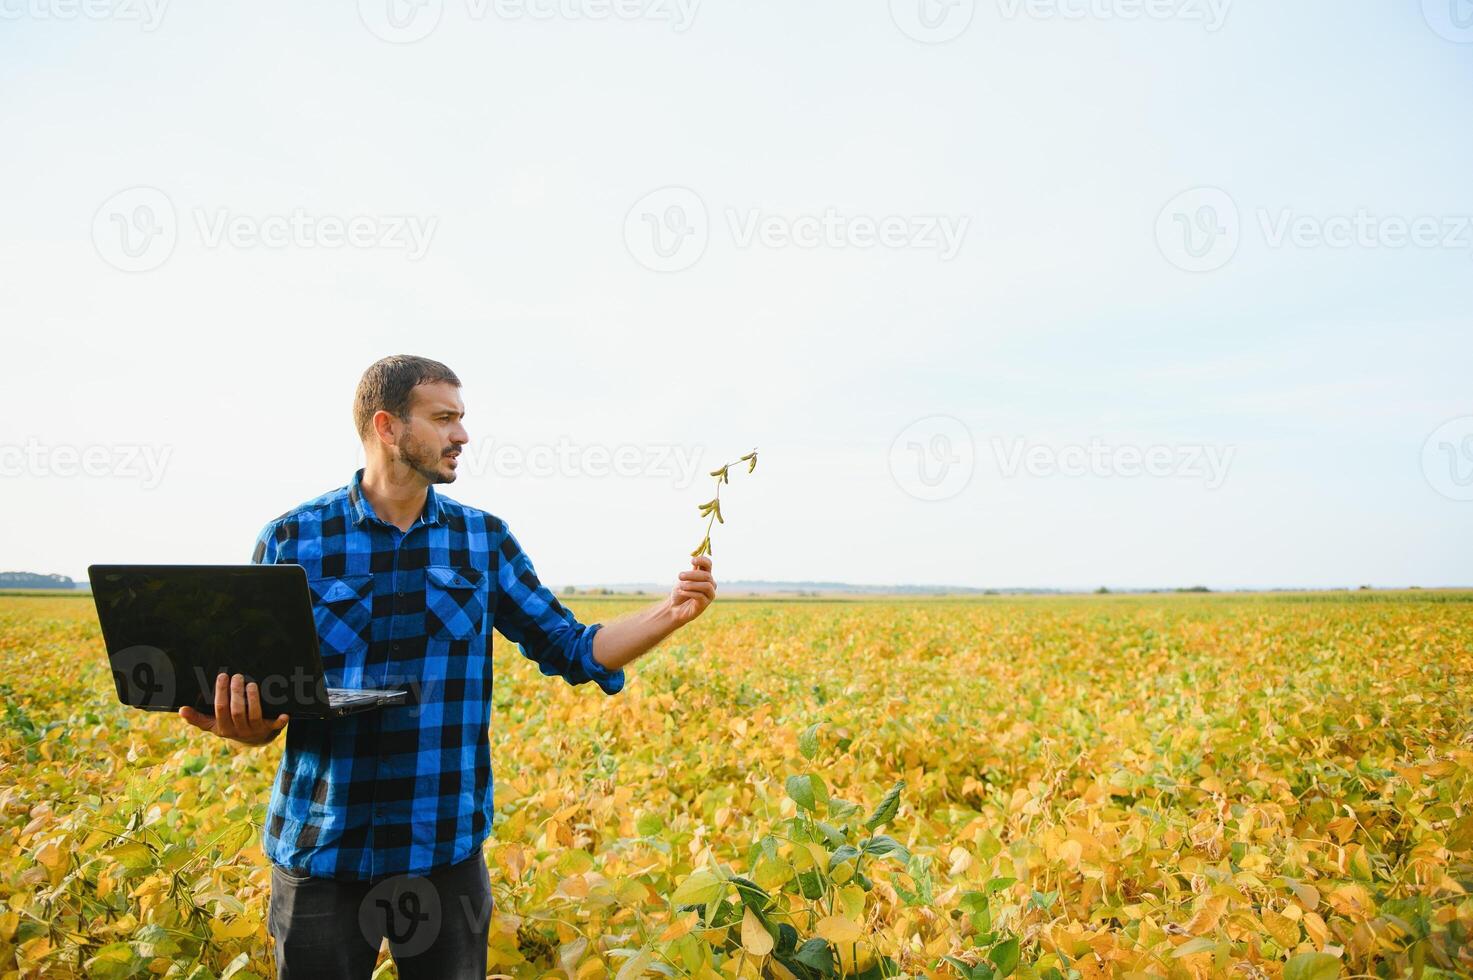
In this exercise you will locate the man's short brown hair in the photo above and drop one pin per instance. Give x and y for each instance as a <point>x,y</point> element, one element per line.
<point>388,385</point>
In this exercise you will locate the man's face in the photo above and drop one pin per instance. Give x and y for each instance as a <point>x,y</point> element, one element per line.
<point>429,441</point>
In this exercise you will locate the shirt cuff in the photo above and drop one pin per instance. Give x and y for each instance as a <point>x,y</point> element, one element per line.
<point>611,681</point>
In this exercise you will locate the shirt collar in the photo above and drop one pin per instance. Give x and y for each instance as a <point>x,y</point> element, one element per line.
<point>361,510</point>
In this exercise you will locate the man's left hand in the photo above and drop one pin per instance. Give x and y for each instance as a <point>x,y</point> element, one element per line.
<point>694,592</point>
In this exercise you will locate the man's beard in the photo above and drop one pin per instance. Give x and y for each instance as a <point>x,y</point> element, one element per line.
<point>422,459</point>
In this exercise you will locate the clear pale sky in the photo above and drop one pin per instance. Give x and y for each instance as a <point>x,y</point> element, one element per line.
<point>1177,226</point>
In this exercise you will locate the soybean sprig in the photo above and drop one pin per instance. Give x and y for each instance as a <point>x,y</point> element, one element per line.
<point>711,509</point>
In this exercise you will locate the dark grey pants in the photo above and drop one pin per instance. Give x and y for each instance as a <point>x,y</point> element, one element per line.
<point>332,930</point>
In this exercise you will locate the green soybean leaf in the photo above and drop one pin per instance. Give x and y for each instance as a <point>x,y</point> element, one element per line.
<point>1312,966</point>
<point>807,791</point>
<point>844,853</point>
<point>816,955</point>
<point>881,846</point>
<point>1005,956</point>
<point>887,809</point>
<point>831,833</point>
<point>808,741</point>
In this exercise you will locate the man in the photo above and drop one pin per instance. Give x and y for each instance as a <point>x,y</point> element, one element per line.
<point>377,819</point>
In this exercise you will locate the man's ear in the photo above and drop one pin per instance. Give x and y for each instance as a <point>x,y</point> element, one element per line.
<point>384,424</point>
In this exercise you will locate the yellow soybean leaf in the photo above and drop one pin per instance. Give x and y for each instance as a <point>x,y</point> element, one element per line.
<point>839,929</point>
<point>238,928</point>
<point>1308,895</point>
<point>1208,916</point>
<point>755,937</point>
<point>772,875</point>
<point>635,966</point>
<point>1284,930</point>
<point>50,855</point>
<point>150,886</point>
<point>680,927</point>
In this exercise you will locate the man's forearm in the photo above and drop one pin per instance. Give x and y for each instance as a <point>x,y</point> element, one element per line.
<point>618,642</point>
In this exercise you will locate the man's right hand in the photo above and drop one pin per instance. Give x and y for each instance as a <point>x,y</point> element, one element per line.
<point>237,713</point>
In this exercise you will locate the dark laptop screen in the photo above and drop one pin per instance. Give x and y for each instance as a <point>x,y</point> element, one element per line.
<point>170,629</point>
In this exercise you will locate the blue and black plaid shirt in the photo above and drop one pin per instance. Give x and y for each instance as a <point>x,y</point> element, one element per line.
<point>408,788</point>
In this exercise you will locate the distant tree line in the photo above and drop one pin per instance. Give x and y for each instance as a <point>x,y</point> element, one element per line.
<point>34,580</point>
<point>574,590</point>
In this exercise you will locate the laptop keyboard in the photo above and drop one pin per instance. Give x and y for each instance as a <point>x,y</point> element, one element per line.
<point>343,695</point>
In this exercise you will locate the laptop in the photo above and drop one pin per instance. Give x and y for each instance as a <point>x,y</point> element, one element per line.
<point>170,629</point>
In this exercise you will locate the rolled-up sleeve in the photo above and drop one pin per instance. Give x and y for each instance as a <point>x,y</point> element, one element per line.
<point>548,634</point>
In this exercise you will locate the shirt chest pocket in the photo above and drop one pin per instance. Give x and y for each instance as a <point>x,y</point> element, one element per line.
<point>455,602</point>
<point>343,608</point>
